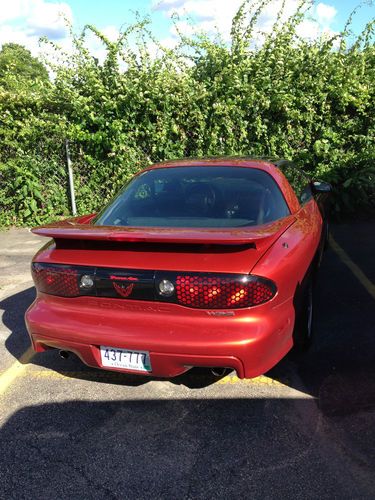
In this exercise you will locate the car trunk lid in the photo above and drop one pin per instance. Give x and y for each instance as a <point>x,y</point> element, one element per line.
<point>234,250</point>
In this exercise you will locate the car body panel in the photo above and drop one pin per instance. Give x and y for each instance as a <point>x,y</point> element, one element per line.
<point>288,261</point>
<point>249,340</point>
<point>201,236</point>
<point>258,341</point>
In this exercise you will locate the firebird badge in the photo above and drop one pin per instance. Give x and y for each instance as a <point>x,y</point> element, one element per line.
<point>123,290</point>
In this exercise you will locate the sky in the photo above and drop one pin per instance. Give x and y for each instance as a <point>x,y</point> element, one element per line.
<point>25,21</point>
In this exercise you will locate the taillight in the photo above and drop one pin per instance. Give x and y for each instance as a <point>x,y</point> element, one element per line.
<point>56,280</point>
<point>198,290</point>
<point>73,281</point>
<point>223,291</point>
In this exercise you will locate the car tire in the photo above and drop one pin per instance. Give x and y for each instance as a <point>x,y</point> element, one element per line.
<point>304,325</point>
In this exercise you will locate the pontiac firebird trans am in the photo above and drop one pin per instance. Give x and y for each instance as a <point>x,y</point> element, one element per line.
<point>207,262</point>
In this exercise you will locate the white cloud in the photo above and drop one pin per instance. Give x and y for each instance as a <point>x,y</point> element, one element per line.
<point>12,9</point>
<point>111,32</point>
<point>48,19</point>
<point>25,21</point>
<point>10,34</point>
<point>212,15</point>
<point>208,15</point>
<point>167,4</point>
<point>325,14</point>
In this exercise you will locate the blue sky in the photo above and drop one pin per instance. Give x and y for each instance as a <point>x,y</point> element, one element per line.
<point>117,12</point>
<point>24,21</point>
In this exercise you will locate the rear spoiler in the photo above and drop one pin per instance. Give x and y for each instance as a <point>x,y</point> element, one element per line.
<point>74,229</point>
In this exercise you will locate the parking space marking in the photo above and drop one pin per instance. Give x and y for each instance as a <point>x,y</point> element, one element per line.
<point>16,370</point>
<point>356,270</point>
<point>261,380</point>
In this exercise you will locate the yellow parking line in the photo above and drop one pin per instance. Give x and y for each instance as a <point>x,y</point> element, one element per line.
<point>14,371</point>
<point>261,380</point>
<point>357,271</point>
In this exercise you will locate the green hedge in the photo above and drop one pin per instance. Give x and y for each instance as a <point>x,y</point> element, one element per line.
<point>311,101</point>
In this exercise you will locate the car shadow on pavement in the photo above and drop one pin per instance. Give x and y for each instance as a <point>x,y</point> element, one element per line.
<point>14,308</point>
<point>339,369</point>
<point>180,448</point>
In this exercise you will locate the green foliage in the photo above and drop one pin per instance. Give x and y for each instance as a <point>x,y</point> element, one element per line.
<point>18,62</point>
<point>31,187</point>
<point>311,101</point>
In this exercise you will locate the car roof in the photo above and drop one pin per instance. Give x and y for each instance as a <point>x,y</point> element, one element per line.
<point>244,161</point>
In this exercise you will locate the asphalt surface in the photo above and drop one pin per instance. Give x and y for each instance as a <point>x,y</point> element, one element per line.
<point>304,430</point>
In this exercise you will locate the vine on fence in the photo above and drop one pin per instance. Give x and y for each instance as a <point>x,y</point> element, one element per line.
<point>311,101</point>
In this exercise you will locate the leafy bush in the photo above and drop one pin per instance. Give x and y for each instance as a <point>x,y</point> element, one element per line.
<point>32,190</point>
<point>311,101</point>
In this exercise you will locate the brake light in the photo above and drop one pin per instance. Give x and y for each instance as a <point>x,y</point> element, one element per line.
<point>56,280</point>
<point>223,292</point>
<point>197,290</point>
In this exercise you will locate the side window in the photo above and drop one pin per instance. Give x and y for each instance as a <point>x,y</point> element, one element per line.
<point>299,181</point>
<point>306,195</point>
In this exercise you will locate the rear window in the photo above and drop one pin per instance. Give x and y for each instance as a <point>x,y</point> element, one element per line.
<point>211,197</point>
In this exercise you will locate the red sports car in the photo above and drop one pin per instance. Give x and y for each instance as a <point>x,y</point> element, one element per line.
<point>207,262</point>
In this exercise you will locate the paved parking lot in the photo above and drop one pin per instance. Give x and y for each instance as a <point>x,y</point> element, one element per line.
<point>304,430</point>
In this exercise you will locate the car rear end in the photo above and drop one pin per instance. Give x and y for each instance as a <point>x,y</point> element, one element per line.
<point>211,319</point>
<point>160,300</point>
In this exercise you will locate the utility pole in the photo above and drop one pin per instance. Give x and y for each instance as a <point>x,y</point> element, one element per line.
<point>71,179</point>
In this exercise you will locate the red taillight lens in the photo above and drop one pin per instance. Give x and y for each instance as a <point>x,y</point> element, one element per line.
<point>223,292</point>
<point>56,280</point>
<point>199,290</point>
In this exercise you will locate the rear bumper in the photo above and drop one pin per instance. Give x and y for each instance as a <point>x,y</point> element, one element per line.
<point>251,341</point>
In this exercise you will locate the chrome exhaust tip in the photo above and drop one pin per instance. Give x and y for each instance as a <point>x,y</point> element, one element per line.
<point>219,372</point>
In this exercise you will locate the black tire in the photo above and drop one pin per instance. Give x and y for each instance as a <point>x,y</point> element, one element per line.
<point>303,328</point>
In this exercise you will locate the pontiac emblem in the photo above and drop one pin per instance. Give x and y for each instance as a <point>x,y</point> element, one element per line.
<point>123,290</point>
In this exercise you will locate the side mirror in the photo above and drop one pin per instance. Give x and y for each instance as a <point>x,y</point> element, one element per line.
<point>321,187</point>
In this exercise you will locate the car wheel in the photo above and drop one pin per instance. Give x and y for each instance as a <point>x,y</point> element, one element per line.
<point>303,329</point>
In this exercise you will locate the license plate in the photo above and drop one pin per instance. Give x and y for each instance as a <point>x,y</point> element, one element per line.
<point>124,358</point>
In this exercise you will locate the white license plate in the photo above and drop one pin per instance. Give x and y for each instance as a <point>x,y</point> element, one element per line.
<point>124,358</point>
